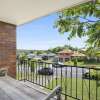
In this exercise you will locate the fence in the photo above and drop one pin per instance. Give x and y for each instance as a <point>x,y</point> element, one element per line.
<point>77,83</point>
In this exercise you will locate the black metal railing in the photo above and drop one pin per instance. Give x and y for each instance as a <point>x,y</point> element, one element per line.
<point>80,83</point>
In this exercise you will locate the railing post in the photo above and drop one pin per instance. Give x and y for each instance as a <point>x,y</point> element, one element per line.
<point>58,93</point>
<point>55,92</point>
<point>24,70</point>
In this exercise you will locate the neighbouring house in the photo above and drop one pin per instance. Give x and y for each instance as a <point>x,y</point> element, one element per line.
<point>49,56</point>
<point>38,57</point>
<point>44,56</point>
<point>31,56</point>
<point>55,59</point>
<point>64,55</point>
<point>78,55</point>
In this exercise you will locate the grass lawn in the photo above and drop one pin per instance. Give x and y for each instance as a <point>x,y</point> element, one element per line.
<point>66,82</point>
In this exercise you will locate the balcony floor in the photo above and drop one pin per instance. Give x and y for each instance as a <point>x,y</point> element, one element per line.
<point>11,89</point>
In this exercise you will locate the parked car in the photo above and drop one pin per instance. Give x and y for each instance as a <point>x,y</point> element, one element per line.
<point>45,71</point>
<point>58,64</point>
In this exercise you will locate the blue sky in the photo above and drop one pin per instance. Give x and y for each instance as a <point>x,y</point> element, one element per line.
<point>40,34</point>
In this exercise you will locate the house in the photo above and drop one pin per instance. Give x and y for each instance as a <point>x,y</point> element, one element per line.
<point>30,56</point>
<point>44,56</point>
<point>78,55</point>
<point>64,55</point>
<point>49,56</point>
<point>38,57</point>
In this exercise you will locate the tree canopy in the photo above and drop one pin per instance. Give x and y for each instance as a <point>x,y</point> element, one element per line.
<point>60,48</point>
<point>82,20</point>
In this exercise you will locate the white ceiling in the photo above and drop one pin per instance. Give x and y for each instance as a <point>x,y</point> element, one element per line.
<point>22,11</point>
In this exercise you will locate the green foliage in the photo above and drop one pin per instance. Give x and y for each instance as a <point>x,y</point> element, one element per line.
<point>90,52</point>
<point>57,49</point>
<point>69,20</point>
<point>71,83</point>
<point>33,65</point>
<point>38,52</point>
<point>94,74</point>
<point>75,62</point>
<point>22,57</point>
<point>93,52</point>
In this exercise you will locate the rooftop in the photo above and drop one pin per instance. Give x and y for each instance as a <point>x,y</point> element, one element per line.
<point>77,54</point>
<point>66,51</point>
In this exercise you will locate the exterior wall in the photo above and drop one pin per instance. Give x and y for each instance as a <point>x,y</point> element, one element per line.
<point>65,55</point>
<point>8,47</point>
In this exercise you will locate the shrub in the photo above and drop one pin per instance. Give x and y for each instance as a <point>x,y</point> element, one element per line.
<point>93,75</point>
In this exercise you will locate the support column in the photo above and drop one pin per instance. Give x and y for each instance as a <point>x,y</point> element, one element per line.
<point>8,47</point>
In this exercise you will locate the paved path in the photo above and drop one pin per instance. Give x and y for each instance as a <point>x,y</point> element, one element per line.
<point>67,72</point>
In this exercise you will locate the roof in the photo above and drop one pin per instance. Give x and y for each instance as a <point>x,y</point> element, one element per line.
<point>43,54</point>
<point>51,54</point>
<point>37,57</point>
<point>18,12</point>
<point>66,51</point>
<point>31,55</point>
<point>77,54</point>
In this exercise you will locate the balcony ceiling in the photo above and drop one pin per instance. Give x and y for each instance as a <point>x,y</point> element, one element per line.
<point>18,12</point>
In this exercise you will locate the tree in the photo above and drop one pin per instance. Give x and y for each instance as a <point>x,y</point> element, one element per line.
<point>57,49</point>
<point>38,52</point>
<point>83,20</point>
<point>93,53</point>
<point>90,52</point>
<point>60,48</point>
<point>22,57</point>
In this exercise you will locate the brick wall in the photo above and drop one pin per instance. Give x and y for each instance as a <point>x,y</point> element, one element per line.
<point>8,47</point>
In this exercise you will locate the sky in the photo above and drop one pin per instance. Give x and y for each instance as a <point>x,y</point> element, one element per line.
<point>41,35</point>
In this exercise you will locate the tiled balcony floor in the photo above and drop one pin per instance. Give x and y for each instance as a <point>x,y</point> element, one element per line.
<point>11,89</point>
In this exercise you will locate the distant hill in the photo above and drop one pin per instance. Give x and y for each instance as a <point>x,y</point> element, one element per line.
<point>18,51</point>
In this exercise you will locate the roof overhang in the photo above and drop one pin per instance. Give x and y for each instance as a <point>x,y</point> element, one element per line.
<point>18,12</point>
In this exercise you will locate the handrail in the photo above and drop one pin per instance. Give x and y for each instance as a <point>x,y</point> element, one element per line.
<point>55,92</point>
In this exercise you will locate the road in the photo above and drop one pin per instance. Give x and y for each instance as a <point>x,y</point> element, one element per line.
<point>64,71</point>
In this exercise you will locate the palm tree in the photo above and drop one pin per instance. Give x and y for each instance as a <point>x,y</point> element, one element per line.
<point>22,57</point>
<point>93,53</point>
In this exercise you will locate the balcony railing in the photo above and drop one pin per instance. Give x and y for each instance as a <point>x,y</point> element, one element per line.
<point>77,83</point>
